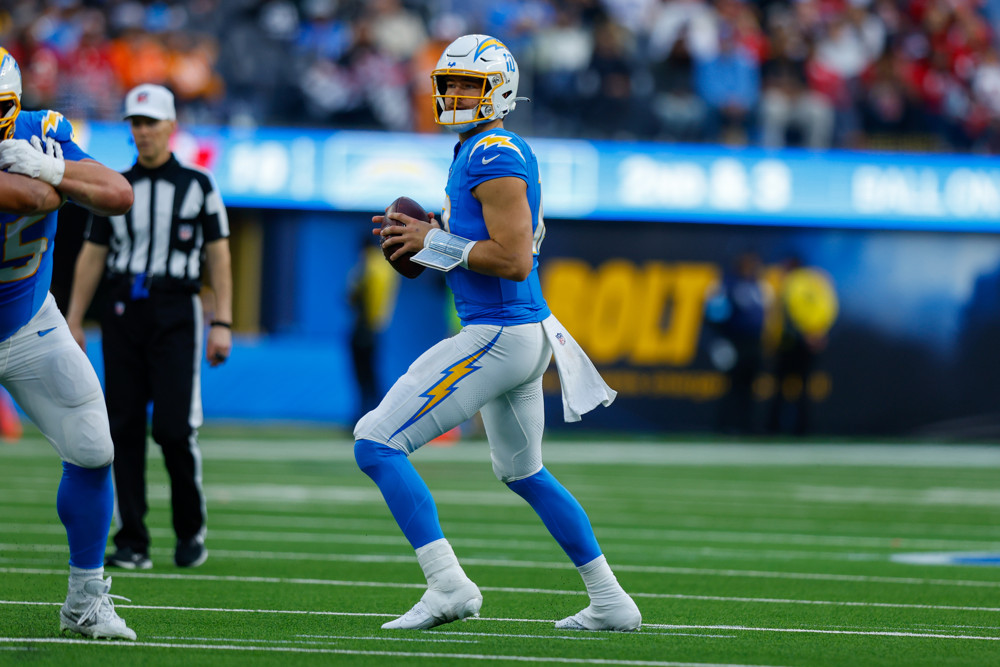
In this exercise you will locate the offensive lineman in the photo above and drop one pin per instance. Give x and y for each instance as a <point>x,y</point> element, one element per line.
<point>488,242</point>
<point>44,369</point>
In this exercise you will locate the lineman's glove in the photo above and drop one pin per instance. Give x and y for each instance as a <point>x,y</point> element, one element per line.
<point>52,147</point>
<point>34,160</point>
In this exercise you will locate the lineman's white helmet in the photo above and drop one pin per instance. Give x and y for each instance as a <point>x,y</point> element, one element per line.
<point>10,93</point>
<point>480,57</point>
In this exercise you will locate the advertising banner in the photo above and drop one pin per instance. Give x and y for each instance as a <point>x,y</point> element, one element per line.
<point>904,327</point>
<point>312,169</point>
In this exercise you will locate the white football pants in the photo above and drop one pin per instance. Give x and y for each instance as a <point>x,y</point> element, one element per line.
<point>51,378</point>
<point>495,370</point>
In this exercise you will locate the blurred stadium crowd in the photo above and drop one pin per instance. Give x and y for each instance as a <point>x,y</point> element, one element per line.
<point>897,74</point>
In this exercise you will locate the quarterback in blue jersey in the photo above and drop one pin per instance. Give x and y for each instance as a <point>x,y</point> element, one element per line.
<point>44,369</point>
<point>488,242</point>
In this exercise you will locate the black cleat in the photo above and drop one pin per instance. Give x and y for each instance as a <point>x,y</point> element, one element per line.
<point>128,559</point>
<point>190,552</point>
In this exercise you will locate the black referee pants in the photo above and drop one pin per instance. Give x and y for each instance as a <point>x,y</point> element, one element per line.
<point>152,353</point>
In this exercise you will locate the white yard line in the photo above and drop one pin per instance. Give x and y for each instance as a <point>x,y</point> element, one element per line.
<point>871,633</point>
<point>577,637</point>
<point>388,654</point>
<point>534,537</point>
<point>565,565</point>
<point>831,603</point>
<point>286,581</point>
<point>314,639</point>
<point>602,452</point>
<point>641,538</point>
<point>903,531</point>
<point>223,517</point>
<point>868,455</point>
<point>253,495</point>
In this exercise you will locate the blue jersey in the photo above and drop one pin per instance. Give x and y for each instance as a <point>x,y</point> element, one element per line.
<point>482,299</point>
<point>26,263</point>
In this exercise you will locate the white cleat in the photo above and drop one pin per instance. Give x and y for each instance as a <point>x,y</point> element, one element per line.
<point>90,612</point>
<point>439,607</point>
<point>621,616</point>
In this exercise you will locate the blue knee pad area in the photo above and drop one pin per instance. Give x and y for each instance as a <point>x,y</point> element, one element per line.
<point>405,492</point>
<point>561,513</point>
<point>85,502</point>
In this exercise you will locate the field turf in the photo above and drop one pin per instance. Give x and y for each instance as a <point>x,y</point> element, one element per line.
<point>737,554</point>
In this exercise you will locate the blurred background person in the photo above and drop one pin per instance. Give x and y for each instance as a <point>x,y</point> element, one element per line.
<point>791,112</point>
<point>372,289</point>
<point>729,83</point>
<point>679,111</point>
<point>736,310</point>
<point>808,304</point>
<point>610,87</point>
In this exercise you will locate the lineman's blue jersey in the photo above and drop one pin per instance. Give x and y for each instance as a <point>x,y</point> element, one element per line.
<point>482,299</point>
<point>26,263</point>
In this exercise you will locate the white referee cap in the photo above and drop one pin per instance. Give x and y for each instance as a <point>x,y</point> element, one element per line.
<point>151,101</point>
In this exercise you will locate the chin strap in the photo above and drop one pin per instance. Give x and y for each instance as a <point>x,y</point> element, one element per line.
<point>444,251</point>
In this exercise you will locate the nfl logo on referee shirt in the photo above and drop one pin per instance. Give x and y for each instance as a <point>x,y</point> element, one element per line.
<point>185,232</point>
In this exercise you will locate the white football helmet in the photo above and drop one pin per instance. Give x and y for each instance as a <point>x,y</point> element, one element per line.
<point>480,57</point>
<point>10,93</point>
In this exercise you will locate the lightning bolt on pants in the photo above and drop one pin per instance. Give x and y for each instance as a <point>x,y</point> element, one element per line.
<point>492,368</point>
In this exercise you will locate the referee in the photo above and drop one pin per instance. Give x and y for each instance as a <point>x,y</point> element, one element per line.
<point>153,259</point>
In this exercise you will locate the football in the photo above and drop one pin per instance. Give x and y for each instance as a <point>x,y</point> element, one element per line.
<point>411,208</point>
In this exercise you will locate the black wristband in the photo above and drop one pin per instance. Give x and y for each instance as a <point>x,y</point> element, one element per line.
<point>218,323</point>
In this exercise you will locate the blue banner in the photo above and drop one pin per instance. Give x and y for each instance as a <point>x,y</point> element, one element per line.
<point>362,171</point>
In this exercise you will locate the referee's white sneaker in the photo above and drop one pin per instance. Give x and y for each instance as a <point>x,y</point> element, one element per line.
<point>437,607</point>
<point>620,615</point>
<point>90,612</point>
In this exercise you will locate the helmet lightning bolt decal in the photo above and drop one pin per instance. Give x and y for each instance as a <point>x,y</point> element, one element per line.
<point>488,44</point>
<point>495,140</point>
<point>452,375</point>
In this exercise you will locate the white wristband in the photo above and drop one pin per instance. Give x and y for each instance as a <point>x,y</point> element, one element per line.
<point>444,251</point>
<point>465,255</point>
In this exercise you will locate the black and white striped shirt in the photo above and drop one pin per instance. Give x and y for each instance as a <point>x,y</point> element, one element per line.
<point>177,209</point>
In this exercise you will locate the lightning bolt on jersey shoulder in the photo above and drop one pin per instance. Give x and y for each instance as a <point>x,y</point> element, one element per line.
<point>499,140</point>
<point>48,123</point>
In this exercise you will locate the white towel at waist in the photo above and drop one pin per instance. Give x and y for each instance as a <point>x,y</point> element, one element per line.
<point>583,388</point>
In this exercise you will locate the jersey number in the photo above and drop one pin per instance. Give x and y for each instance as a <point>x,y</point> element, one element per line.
<point>15,249</point>
<point>539,236</point>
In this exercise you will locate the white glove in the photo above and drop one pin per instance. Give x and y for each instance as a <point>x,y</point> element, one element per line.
<point>33,160</point>
<point>52,147</point>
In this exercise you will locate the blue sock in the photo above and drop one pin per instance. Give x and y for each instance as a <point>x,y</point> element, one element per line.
<point>561,513</point>
<point>404,491</point>
<point>85,502</point>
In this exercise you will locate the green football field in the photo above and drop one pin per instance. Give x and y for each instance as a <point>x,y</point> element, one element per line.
<point>737,554</point>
